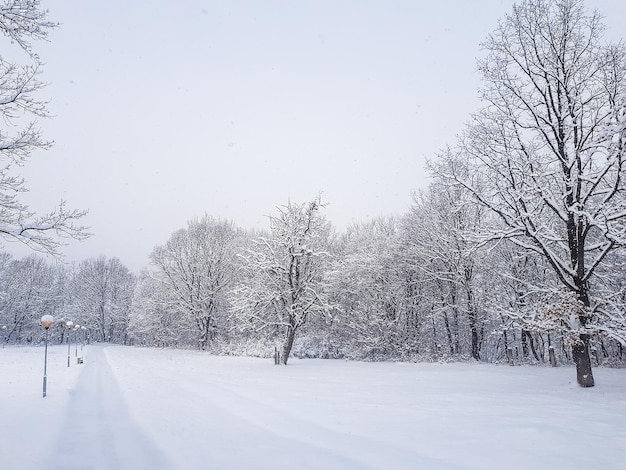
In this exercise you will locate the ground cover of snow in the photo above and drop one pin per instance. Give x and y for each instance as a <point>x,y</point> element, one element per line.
<point>141,408</point>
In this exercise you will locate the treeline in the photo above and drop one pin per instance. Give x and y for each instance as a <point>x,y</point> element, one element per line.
<point>97,293</point>
<point>393,288</point>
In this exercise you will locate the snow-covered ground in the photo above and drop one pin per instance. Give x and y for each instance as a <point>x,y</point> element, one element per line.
<point>133,408</point>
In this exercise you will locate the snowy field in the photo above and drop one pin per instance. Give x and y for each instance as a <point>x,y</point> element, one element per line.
<point>132,408</point>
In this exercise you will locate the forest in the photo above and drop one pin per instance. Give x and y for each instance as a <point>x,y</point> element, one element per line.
<point>515,253</point>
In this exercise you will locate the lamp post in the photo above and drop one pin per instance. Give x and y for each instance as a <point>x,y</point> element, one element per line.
<point>84,330</point>
<point>4,335</point>
<point>46,322</point>
<point>69,325</point>
<point>76,328</point>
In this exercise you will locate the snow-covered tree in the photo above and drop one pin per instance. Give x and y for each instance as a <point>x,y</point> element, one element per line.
<point>28,290</point>
<point>438,243</point>
<point>368,288</point>
<point>513,294</point>
<point>282,282</point>
<point>547,153</point>
<point>101,298</point>
<point>196,268</point>
<point>153,321</point>
<point>22,22</point>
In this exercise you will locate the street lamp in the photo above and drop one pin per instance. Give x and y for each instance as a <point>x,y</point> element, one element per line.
<point>46,322</point>
<point>84,329</point>
<point>69,325</point>
<point>76,328</point>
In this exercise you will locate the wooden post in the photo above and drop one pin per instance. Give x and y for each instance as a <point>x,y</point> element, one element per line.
<point>276,356</point>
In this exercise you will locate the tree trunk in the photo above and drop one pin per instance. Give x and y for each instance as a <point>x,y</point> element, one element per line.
<point>434,348</point>
<point>527,339</point>
<point>580,354</point>
<point>509,356</point>
<point>475,345</point>
<point>580,351</point>
<point>474,333</point>
<point>276,356</point>
<point>473,317</point>
<point>203,325</point>
<point>552,355</point>
<point>291,334</point>
<point>524,344</point>
<point>449,333</point>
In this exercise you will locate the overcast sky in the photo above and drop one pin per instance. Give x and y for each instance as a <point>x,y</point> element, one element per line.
<point>166,110</point>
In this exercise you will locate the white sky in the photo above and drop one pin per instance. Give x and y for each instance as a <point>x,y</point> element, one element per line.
<point>165,110</point>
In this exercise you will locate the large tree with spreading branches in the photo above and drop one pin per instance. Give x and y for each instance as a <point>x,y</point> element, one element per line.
<point>547,158</point>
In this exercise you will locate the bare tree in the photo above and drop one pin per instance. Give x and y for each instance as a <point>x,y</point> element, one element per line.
<point>28,290</point>
<point>438,239</point>
<point>283,276</point>
<point>153,321</point>
<point>547,152</point>
<point>101,298</point>
<point>196,267</point>
<point>21,22</point>
<point>366,283</point>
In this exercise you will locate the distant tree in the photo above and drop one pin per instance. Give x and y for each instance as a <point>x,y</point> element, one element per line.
<point>101,298</point>
<point>547,156</point>
<point>196,268</point>
<point>154,321</point>
<point>21,22</point>
<point>283,277</point>
<point>513,296</point>
<point>439,242</point>
<point>28,290</point>
<point>367,286</point>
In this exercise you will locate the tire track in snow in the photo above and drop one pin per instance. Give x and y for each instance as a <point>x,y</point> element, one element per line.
<point>232,440</point>
<point>239,431</point>
<point>305,437</point>
<point>229,440</point>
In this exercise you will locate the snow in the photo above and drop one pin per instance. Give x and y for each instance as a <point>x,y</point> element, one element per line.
<point>133,408</point>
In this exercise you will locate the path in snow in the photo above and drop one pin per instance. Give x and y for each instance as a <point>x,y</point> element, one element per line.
<point>98,432</point>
